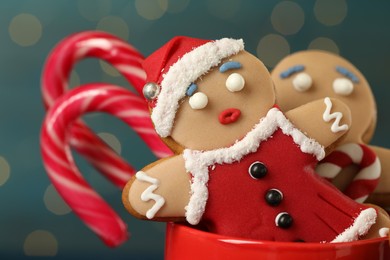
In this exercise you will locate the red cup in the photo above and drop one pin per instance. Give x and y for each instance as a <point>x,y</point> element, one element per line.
<point>183,242</point>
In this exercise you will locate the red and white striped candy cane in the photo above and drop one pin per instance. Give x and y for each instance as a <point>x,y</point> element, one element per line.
<point>127,60</point>
<point>58,161</point>
<point>365,180</point>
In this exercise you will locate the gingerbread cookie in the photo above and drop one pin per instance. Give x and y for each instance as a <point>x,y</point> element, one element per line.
<point>356,168</point>
<point>241,167</point>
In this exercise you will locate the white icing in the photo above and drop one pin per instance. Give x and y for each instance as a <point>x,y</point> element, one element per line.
<point>181,74</point>
<point>343,86</point>
<point>198,101</point>
<point>360,226</point>
<point>197,162</point>
<point>327,116</point>
<point>302,82</point>
<point>149,194</point>
<point>383,232</point>
<point>235,82</point>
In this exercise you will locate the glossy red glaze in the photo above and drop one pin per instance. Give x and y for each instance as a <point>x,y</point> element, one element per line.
<point>183,242</point>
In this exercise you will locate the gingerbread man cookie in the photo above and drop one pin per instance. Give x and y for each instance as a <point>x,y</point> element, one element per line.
<point>354,167</point>
<point>241,167</point>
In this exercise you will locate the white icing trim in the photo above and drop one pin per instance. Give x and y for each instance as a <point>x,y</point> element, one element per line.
<point>149,194</point>
<point>327,116</point>
<point>360,226</point>
<point>184,72</point>
<point>197,162</point>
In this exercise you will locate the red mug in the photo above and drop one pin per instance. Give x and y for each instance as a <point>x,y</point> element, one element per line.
<point>184,242</point>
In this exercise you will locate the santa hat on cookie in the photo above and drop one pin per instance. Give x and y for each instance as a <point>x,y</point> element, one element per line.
<point>172,68</point>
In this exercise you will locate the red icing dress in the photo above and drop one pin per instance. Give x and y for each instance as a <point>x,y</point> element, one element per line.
<point>264,187</point>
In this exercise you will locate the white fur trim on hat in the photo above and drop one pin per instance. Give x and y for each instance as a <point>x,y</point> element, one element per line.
<point>198,162</point>
<point>184,72</point>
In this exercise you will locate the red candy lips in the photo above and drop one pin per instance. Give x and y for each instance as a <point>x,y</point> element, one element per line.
<point>229,116</point>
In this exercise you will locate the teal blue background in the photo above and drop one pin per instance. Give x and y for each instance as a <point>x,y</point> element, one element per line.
<point>363,37</point>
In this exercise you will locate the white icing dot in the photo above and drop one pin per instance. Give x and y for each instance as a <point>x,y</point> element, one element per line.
<point>330,12</point>
<point>302,82</point>
<point>151,9</point>
<point>287,17</point>
<point>343,86</point>
<point>114,25</point>
<point>5,171</point>
<point>235,82</point>
<point>322,43</point>
<point>223,10</point>
<point>25,29</point>
<point>272,48</point>
<point>40,243</point>
<point>198,101</point>
<point>112,141</point>
<point>94,10</point>
<point>54,203</point>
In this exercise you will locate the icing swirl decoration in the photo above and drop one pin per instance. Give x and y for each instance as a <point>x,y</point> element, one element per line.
<point>149,194</point>
<point>327,116</point>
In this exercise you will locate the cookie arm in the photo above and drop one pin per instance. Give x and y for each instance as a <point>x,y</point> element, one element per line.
<point>324,120</point>
<point>160,191</point>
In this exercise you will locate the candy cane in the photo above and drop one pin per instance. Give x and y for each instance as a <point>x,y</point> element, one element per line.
<point>365,180</point>
<point>124,57</point>
<point>127,60</point>
<point>58,161</point>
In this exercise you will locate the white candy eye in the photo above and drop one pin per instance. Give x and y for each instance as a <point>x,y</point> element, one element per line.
<point>198,100</point>
<point>302,82</point>
<point>342,86</point>
<point>235,82</point>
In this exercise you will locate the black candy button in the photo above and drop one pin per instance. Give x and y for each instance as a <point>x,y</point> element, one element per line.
<point>257,170</point>
<point>273,197</point>
<point>283,220</point>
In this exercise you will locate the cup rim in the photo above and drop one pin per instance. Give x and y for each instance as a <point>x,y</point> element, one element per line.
<point>186,230</point>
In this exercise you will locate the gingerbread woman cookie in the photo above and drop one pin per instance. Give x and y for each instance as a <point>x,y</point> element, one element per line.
<point>241,167</point>
<point>354,167</point>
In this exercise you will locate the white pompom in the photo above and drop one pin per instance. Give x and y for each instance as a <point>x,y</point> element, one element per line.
<point>342,86</point>
<point>198,101</point>
<point>235,82</point>
<point>302,82</point>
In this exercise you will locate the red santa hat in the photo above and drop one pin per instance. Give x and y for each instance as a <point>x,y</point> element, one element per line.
<point>172,68</point>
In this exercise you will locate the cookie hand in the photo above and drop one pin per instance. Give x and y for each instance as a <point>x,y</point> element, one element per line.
<point>148,193</point>
<point>324,120</point>
<point>160,191</point>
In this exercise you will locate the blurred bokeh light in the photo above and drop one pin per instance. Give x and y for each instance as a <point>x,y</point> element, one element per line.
<point>34,220</point>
